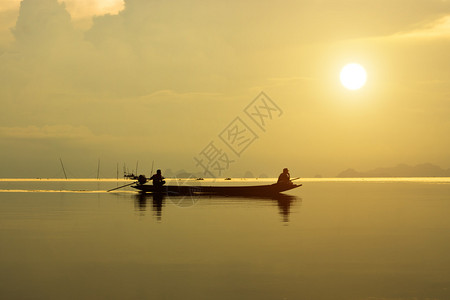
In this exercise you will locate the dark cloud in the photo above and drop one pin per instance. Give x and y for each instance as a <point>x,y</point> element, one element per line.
<point>42,24</point>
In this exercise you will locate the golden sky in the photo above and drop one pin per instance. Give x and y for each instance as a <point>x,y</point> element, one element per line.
<point>156,80</point>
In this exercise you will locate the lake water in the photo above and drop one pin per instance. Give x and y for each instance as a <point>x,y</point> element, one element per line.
<point>367,239</point>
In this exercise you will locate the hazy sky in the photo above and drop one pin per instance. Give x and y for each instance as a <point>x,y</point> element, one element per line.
<point>161,80</point>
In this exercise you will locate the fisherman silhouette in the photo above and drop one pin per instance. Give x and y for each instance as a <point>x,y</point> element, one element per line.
<point>285,177</point>
<point>157,179</point>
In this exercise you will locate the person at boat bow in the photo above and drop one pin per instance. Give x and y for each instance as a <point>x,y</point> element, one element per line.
<point>157,179</point>
<point>285,177</point>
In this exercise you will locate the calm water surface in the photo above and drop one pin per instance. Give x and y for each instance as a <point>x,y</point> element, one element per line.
<point>330,239</point>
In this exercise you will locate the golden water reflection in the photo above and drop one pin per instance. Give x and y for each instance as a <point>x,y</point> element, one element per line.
<point>159,201</point>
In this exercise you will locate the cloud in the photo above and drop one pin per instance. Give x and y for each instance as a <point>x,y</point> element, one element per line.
<point>74,138</point>
<point>177,97</point>
<point>42,25</point>
<point>9,5</point>
<point>48,132</point>
<point>9,10</point>
<point>436,29</point>
<point>77,8</point>
<point>165,76</point>
<point>88,8</point>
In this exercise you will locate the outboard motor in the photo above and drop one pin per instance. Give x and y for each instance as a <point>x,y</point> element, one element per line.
<point>142,179</point>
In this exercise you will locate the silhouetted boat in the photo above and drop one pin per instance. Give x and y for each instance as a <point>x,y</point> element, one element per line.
<point>255,190</point>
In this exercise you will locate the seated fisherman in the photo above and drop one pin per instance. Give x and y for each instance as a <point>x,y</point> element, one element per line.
<point>285,177</point>
<point>157,179</point>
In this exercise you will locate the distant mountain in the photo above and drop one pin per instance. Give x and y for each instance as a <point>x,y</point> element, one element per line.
<point>401,170</point>
<point>249,174</point>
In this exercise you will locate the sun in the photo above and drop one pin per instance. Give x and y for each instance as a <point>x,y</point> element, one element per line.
<point>353,76</point>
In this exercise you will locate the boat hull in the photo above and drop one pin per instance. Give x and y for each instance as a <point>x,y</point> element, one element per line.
<point>258,190</point>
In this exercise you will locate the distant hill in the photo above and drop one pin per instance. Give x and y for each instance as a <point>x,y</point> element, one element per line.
<point>401,170</point>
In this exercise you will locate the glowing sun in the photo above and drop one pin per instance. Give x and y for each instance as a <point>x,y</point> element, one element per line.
<point>353,76</point>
